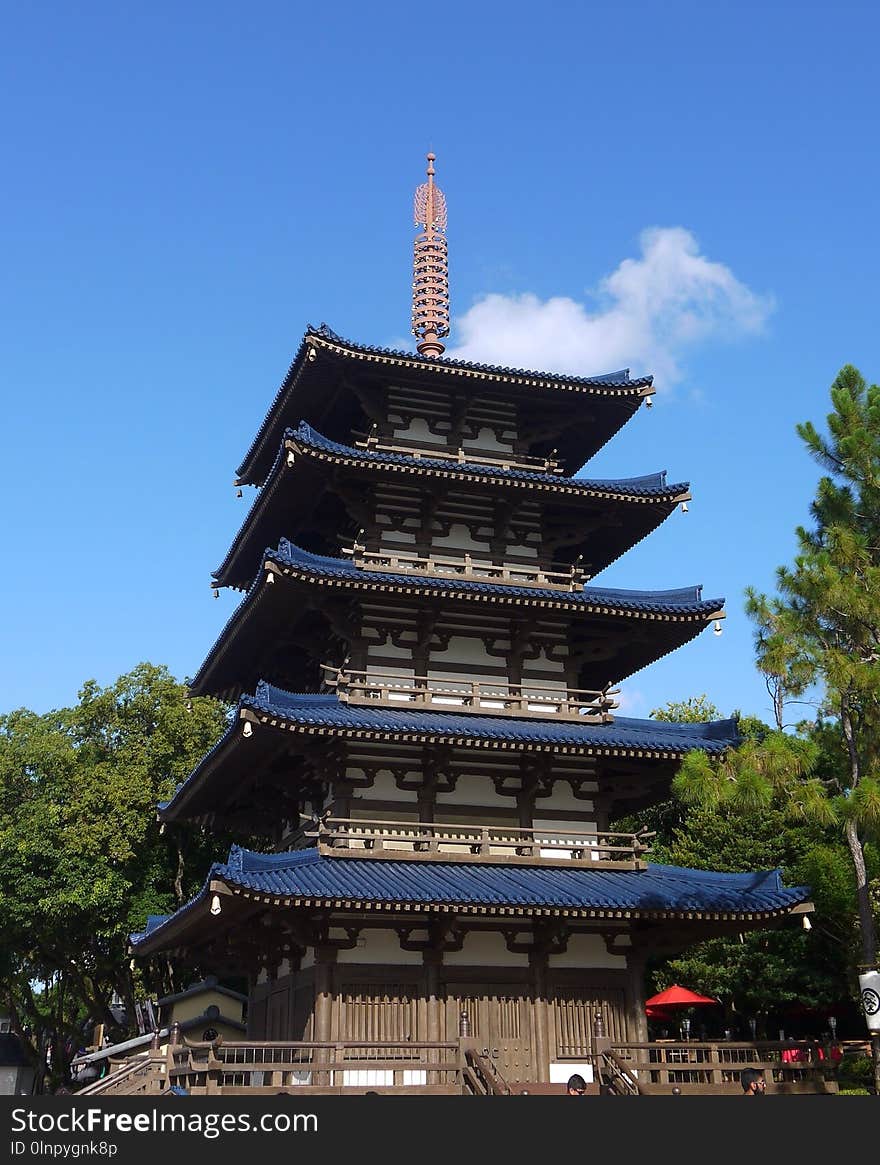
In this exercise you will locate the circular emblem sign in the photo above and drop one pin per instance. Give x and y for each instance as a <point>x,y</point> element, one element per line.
<point>870,1001</point>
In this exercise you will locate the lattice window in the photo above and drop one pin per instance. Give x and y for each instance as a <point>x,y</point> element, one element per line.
<point>372,1012</point>
<point>573,1015</point>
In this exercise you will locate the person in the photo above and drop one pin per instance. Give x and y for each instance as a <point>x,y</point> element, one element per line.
<point>576,1086</point>
<point>752,1082</point>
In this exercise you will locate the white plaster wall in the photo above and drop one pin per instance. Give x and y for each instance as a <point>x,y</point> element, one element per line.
<point>385,789</point>
<point>560,827</point>
<point>473,790</point>
<point>486,439</point>
<point>544,661</point>
<point>521,548</point>
<point>388,648</point>
<point>588,951</point>
<point>560,831</point>
<point>485,949</point>
<point>563,798</point>
<point>560,1072</point>
<point>382,948</point>
<point>388,672</point>
<point>417,430</point>
<point>458,538</point>
<point>468,651</point>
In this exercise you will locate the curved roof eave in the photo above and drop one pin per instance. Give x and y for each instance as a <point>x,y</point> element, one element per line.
<point>307,878</point>
<point>616,383</point>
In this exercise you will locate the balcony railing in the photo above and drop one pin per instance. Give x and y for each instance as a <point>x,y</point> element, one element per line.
<point>470,456</point>
<point>695,1067</point>
<point>325,1068</point>
<point>568,578</point>
<point>445,841</point>
<point>482,697</point>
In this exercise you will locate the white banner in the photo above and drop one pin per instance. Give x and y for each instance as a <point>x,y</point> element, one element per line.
<point>869,986</point>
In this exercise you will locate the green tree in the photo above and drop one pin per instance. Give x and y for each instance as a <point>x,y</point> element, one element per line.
<point>82,861</point>
<point>758,972</point>
<point>822,629</point>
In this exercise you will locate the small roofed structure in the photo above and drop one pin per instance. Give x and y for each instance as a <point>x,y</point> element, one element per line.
<point>204,1012</point>
<point>206,1005</point>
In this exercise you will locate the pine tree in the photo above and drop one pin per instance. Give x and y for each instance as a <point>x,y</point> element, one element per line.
<point>822,630</point>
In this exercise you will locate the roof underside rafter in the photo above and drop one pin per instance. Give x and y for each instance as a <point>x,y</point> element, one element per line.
<point>310,391</point>
<point>615,513</point>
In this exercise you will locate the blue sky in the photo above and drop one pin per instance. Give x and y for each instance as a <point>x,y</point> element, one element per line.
<point>187,186</point>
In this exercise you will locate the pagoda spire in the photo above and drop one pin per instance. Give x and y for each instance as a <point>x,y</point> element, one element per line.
<point>430,310</point>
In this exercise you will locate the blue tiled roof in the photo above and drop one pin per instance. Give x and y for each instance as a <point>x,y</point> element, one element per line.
<point>680,601</point>
<point>657,889</point>
<point>624,732</point>
<point>327,712</point>
<point>647,485</point>
<point>619,380</point>
<point>237,567</point>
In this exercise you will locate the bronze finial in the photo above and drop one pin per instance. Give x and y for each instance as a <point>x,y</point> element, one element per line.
<point>430,312</point>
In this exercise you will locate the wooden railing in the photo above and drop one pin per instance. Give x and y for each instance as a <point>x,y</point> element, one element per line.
<point>314,1067</point>
<point>143,1074</point>
<point>481,1078</point>
<point>463,456</point>
<point>433,841</point>
<point>697,1067</point>
<point>616,1075</point>
<point>571,578</point>
<point>484,697</point>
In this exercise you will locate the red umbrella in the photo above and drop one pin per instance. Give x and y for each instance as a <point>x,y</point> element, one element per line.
<point>675,998</point>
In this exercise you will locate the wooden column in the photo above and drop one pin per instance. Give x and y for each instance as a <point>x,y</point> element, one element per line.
<point>433,960</point>
<point>325,957</point>
<point>637,1021</point>
<point>538,962</point>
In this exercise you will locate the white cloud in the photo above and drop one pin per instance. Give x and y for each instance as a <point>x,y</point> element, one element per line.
<point>631,702</point>
<point>645,316</point>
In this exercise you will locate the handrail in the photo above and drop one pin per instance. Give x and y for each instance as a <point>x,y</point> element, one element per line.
<point>492,697</point>
<point>462,455</point>
<point>468,567</point>
<point>146,1065</point>
<point>486,1073</point>
<point>619,1074</point>
<point>317,1066</point>
<point>707,1066</point>
<point>431,839</point>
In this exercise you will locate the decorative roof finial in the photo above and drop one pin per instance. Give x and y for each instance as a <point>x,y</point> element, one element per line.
<point>430,312</point>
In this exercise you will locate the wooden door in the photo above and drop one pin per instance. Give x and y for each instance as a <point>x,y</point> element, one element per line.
<point>500,1022</point>
<point>278,1013</point>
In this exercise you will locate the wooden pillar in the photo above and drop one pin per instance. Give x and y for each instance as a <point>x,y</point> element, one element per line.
<point>636,1020</point>
<point>525,804</point>
<point>325,957</point>
<point>433,960</point>
<point>427,800</point>
<point>538,963</point>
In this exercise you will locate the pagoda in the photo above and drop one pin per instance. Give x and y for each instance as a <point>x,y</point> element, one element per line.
<point>424,732</point>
